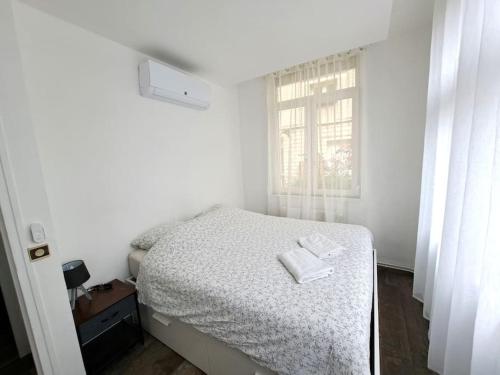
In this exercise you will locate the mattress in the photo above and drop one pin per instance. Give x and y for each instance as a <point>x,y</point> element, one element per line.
<point>219,273</point>
<point>134,260</point>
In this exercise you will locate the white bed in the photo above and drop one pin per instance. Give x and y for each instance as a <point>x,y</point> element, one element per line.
<point>134,261</point>
<point>214,291</point>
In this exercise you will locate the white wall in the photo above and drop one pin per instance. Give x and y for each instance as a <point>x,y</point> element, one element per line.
<point>253,122</point>
<point>394,105</point>
<point>394,87</point>
<point>116,163</point>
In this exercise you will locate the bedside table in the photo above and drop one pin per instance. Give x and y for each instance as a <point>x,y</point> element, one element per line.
<point>108,325</point>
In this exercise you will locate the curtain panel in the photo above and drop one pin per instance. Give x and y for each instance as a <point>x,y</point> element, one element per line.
<point>457,267</point>
<point>313,116</point>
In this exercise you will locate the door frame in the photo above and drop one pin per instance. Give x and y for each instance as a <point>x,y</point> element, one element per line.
<point>23,278</point>
<point>14,313</point>
<point>39,285</point>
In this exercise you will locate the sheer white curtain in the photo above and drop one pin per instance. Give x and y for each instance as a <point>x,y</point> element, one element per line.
<point>457,267</point>
<point>314,138</point>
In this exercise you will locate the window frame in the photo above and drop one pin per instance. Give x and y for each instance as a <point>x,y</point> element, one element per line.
<point>277,187</point>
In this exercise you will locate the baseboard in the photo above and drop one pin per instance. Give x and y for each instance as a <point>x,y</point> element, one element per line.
<point>131,280</point>
<point>394,266</point>
<point>418,298</point>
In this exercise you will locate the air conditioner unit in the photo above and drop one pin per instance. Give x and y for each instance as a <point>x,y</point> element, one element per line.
<point>162,82</point>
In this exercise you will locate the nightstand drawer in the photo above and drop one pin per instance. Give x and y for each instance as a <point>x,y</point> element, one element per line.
<point>107,319</point>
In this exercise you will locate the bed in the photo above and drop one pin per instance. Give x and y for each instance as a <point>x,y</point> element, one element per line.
<point>213,290</point>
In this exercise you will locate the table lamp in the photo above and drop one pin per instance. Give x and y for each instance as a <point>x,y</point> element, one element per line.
<point>75,274</point>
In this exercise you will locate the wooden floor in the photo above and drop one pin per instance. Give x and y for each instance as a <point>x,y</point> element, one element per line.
<point>403,337</point>
<point>10,363</point>
<point>403,330</point>
<point>8,351</point>
<point>153,358</point>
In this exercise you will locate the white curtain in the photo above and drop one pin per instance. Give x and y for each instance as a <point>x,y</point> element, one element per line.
<point>457,267</point>
<point>314,138</point>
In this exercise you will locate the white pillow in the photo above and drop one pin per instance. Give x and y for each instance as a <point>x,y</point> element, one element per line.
<point>208,210</point>
<point>146,240</point>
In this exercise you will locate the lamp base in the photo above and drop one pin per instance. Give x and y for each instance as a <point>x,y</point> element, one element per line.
<point>74,295</point>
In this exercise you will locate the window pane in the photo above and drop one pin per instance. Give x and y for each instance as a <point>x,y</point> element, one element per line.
<point>335,166</point>
<point>335,146</point>
<point>315,103</point>
<point>291,118</point>
<point>346,79</point>
<point>334,79</point>
<point>333,132</point>
<point>293,90</point>
<point>292,157</point>
<point>341,111</point>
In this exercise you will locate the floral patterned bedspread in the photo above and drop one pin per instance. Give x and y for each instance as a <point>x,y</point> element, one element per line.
<point>219,272</point>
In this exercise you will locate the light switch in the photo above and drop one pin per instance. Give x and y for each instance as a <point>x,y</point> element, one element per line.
<point>37,232</point>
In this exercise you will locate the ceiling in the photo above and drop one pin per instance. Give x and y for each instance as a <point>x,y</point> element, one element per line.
<point>408,15</point>
<point>230,41</point>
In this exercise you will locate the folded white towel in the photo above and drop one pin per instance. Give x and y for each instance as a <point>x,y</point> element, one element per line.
<point>321,246</point>
<point>304,266</point>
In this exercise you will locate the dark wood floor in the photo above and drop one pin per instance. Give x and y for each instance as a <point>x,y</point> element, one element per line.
<point>403,330</point>
<point>403,337</point>
<point>10,363</point>
<point>153,358</point>
<point>8,351</point>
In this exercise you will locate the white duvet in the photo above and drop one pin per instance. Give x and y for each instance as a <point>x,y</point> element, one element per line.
<point>219,273</point>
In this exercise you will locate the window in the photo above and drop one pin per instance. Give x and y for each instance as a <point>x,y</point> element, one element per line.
<point>314,132</point>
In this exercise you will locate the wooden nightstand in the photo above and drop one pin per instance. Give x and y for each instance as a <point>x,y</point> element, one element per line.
<point>108,325</point>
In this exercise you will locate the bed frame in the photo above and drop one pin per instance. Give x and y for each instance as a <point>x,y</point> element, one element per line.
<point>216,358</point>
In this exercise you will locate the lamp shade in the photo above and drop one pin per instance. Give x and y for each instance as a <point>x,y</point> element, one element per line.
<point>75,273</point>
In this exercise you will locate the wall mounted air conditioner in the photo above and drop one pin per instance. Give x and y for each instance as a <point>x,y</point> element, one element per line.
<point>162,82</point>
